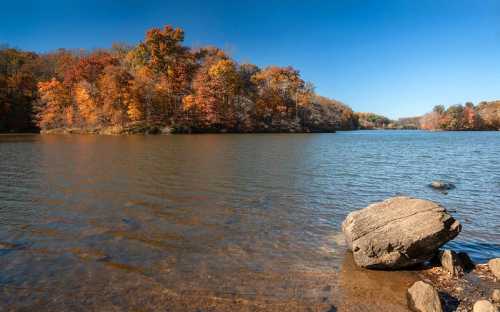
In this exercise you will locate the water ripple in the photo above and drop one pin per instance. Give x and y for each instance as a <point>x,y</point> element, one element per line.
<point>200,214</point>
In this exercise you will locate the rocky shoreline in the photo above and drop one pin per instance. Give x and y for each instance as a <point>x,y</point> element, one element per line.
<point>408,233</point>
<point>460,293</point>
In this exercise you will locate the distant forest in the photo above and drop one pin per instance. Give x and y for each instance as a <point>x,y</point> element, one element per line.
<point>458,117</point>
<point>159,85</point>
<point>484,116</point>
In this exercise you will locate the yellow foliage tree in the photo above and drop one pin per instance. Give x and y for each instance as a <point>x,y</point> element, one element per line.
<point>135,110</point>
<point>87,104</point>
<point>54,99</point>
<point>114,86</point>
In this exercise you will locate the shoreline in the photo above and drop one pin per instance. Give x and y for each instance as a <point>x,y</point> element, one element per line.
<point>409,234</point>
<point>382,288</point>
<point>156,131</point>
<point>459,293</point>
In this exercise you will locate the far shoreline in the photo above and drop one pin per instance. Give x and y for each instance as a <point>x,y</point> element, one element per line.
<point>97,133</point>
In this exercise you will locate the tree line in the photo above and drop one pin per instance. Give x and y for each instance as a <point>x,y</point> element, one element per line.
<point>484,116</point>
<point>458,117</point>
<point>158,85</point>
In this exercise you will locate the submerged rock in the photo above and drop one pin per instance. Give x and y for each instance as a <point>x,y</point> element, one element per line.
<point>398,232</point>
<point>484,306</point>
<point>422,297</point>
<point>494,265</point>
<point>442,185</point>
<point>90,254</point>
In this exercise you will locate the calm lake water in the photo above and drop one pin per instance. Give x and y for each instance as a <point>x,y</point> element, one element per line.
<point>222,222</point>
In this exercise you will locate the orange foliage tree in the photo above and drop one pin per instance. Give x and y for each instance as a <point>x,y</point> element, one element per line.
<point>116,95</point>
<point>280,92</point>
<point>54,100</point>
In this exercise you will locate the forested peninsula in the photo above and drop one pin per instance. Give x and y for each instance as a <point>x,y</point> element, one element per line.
<point>162,86</point>
<point>158,86</point>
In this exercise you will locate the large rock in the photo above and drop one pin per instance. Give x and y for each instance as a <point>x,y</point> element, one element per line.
<point>484,306</point>
<point>422,297</point>
<point>494,265</point>
<point>398,232</point>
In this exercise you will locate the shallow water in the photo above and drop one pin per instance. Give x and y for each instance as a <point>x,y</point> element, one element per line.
<point>222,222</point>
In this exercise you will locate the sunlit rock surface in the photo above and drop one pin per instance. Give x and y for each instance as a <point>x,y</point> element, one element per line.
<point>398,232</point>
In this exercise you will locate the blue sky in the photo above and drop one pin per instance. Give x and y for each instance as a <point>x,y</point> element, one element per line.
<point>398,58</point>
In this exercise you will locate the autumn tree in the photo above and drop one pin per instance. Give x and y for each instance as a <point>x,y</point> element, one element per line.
<point>57,64</point>
<point>248,87</point>
<point>430,121</point>
<point>454,117</point>
<point>216,89</point>
<point>372,121</point>
<point>440,109</point>
<point>280,91</point>
<point>169,66</point>
<point>489,114</point>
<point>116,95</point>
<point>86,98</point>
<point>324,113</point>
<point>140,103</point>
<point>201,106</point>
<point>89,67</point>
<point>54,102</point>
<point>470,117</point>
<point>435,120</point>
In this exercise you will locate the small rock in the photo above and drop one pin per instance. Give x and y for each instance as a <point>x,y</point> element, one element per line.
<point>441,185</point>
<point>495,296</point>
<point>10,246</point>
<point>494,265</point>
<point>422,297</point>
<point>6,245</point>
<point>484,306</point>
<point>90,255</point>
<point>451,262</point>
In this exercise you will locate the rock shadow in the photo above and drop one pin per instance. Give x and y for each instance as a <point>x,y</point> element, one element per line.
<point>450,303</point>
<point>372,290</point>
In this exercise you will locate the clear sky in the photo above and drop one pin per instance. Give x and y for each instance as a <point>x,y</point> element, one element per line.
<point>398,58</point>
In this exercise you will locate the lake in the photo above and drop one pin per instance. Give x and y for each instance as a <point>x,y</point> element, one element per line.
<point>223,222</point>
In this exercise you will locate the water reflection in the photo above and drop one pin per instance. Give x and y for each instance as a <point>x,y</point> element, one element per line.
<point>226,221</point>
